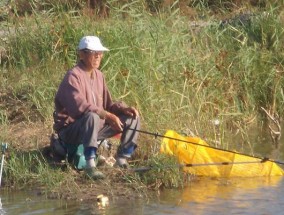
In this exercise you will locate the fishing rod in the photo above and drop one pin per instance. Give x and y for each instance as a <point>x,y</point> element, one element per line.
<point>264,159</point>
<point>148,168</point>
<point>4,148</point>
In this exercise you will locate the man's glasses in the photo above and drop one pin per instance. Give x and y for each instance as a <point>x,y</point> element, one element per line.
<point>92,52</point>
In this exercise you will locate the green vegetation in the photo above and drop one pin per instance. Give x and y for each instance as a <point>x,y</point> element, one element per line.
<point>180,76</point>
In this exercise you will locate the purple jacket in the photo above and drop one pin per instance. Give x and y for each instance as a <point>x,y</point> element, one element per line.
<point>78,94</point>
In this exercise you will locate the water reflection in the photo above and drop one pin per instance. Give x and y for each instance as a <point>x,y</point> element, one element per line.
<point>222,196</point>
<point>2,211</point>
<point>27,202</point>
<point>203,196</point>
<point>205,188</point>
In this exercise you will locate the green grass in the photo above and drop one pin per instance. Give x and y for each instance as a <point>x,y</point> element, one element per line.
<point>26,168</point>
<point>158,64</point>
<point>164,172</point>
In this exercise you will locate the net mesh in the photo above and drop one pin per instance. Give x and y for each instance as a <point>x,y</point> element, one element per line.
<point>219,163</point>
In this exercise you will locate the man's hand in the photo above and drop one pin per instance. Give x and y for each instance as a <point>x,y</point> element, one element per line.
<point>114,122</point>
<point>131,111</point>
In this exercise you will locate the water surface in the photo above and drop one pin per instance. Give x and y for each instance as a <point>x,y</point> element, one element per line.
<point>234,196</point>
<point>205,196</point>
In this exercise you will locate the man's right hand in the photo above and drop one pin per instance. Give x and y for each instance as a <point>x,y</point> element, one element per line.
<point>114,122</point>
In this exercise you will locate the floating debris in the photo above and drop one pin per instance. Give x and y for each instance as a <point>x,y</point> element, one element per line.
<point>102,201</point>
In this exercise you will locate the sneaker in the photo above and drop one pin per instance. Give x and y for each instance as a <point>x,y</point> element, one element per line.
<point>121,162</point>
<point>94,173</point>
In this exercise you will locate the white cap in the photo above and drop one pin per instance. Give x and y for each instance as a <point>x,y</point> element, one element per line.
<point>92,43</point>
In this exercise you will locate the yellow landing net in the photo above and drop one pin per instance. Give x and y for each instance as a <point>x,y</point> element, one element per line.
<point>239,165</point>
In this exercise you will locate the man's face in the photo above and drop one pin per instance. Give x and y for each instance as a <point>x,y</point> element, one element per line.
<point>92,59</point>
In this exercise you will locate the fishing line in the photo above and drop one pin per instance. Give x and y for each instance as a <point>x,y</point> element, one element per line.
<point>264,159</point>
<point>147,168</point>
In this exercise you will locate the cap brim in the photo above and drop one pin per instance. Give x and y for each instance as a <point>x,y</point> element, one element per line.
<point>99,49</point>
<point>102,49</point>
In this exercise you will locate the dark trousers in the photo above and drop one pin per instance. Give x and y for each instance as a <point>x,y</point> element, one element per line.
<point>86,130</point>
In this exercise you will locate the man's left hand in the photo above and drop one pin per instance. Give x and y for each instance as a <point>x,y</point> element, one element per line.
<point>131,111</point>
